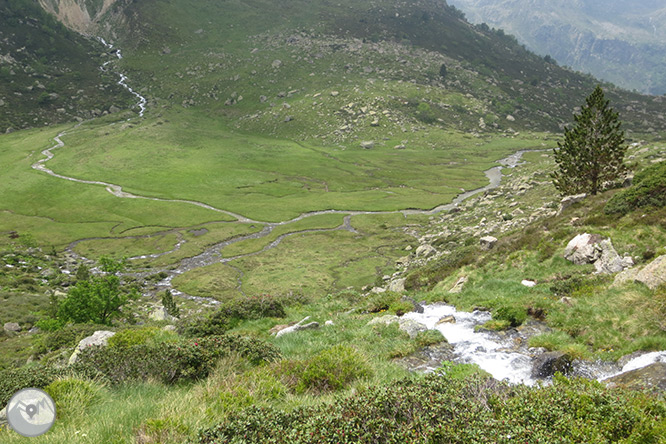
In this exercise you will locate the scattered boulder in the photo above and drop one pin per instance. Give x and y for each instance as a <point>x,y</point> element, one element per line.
<point>334,93</point>
<point>488,242</point>
<point>654,273</point>
<point>458,286</point>
<point>161,314</point>
<point>651,376</point>
<point>547,364</point>
<point>609,261</point>
<point>329,323</point>
<point>276,64</point>
<point>397,285</point>
<point>169,328</point>
<point>298,327</point>
<point>528,283</point>
<point>100,337</point>
<point>628,275</point>
<point>583,249</point>
<point>567,201</point>
<point>368,144</point>
<point>12,327</point>
<point>411,327</point>
<point>425,250</point>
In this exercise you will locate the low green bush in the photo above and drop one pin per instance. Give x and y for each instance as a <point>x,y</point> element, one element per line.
<point>170,362</point>
<point>74,396</point>
<point>330,370</point>
<point>13,380</point>
<point>452,409</point>
<point>648,190</point>
<point>131,337</point>
<point>214,324</point>
<point>254,307</point>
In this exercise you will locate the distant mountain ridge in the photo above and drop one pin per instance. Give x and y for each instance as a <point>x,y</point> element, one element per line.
<point>622,41</point>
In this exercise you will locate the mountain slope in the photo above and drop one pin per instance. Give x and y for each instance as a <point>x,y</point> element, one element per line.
<point>620,41</point>
<point>49,74</point>
<point>209,53</point>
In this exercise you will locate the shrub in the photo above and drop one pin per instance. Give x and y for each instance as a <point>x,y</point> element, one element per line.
<point>13,380</point>
<point>214,324</point>
<point>74,396</point>
<point>331,370</point>
<point>254,307</point>
<point>170,362</point>
<point>648,190</point>
<point>401,307</point>
<point>130,337</point>
<point>452,408</point>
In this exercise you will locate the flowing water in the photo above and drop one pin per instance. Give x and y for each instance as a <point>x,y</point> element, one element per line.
<point>507,356</point>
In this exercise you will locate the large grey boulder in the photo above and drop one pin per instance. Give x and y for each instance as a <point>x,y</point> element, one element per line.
<point>488,242</point>
<point>547,364</point>
<point>100,338</point>
<point>397,285</point>
<point>425,250</point>
<point>583,249</point>
<point>654,273</point>
<point>609,261</point>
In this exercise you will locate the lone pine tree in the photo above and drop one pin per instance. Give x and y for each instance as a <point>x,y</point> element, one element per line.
<point>592,153</point>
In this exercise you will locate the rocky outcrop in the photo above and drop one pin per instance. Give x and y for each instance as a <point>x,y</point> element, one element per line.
<point>487,242</point>
<point>161,314</point>
<point>100,338</point>
<point>397,285</point>
<point>654,273</point>
<point>651,376</point>
<point>458,286</point>
<point>547,364</point>
<point>425,250</point>
<point>593,249</point>
<point>79,15</point>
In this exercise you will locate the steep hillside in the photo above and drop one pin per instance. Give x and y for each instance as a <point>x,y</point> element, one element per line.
<point>237,59</point>
<point>49,74</point>
<point>620,41</point>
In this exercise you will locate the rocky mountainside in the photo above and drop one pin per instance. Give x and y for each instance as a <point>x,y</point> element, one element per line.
<point>416,63</point>
<point>621,41</point>
<point>48,73</point>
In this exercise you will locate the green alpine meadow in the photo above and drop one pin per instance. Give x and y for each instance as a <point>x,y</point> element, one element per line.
<point>252,221</point>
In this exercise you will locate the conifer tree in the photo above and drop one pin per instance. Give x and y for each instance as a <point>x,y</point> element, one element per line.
<point>592,153</point>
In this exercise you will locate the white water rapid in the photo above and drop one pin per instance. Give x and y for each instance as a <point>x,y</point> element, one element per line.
<point>500,355</point>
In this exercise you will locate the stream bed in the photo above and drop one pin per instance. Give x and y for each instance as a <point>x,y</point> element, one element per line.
<point>506,355</point>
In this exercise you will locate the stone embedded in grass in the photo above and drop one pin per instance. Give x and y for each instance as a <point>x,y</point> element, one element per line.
<point>368,144</point>
<point>488,242</point>
<point>12,327</point>
<point>425,250</point>
<point>458,286</point>
<point>654,273</point>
